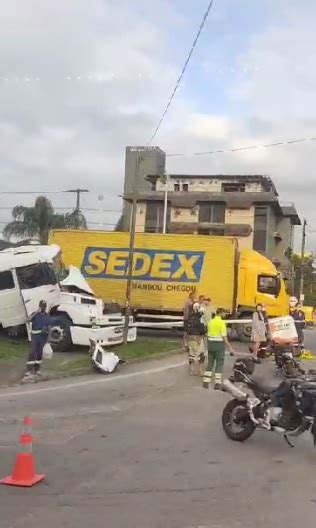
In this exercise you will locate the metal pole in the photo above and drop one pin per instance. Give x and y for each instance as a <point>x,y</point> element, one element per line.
<point>130,269</point>
<point>78,196</point>
<point>302,260</point>
<point>165,208</point>
<point>131,256</point>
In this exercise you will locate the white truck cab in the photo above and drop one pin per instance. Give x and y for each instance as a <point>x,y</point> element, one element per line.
<point>27,276</point>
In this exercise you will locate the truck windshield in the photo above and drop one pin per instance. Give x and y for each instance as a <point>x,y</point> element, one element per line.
<point>268,284</point>
<point>36,275</point>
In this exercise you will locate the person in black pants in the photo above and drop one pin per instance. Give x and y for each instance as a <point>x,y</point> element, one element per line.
<point>40,329</point>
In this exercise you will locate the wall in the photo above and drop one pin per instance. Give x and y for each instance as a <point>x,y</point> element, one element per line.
<point>203,185</point>
<point>184,216</point>
<point>139,163</point>
<point>242,216</point>
<point>195,185</point>
<point>286,230</point>
<point>140,217</point>
<point>275,247</point>
<point>253,187</point>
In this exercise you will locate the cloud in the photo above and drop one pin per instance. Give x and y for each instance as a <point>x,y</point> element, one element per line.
<point>79,81</point>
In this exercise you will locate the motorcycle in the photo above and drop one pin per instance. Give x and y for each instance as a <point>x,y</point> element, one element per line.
<point>286,360</point>
<point>288,408</point>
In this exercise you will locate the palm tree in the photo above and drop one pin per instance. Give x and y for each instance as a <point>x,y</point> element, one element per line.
<point>37,221</point>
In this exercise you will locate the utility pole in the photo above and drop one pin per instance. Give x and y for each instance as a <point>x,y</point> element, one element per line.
<point>165,208</point>
<point>78,197</point>
<point>301,292</point>
<point>131,254</point>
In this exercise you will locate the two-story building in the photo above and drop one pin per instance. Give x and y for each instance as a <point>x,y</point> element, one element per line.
<point>246,207</point>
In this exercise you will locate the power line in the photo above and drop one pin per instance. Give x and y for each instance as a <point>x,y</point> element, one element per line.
<point>183,70</point>
<point>248,147</point>
<point>31,192</point>
<point>87,209</point>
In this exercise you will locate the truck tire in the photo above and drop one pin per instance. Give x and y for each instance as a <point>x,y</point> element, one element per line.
<point>60,336</point>
<point>244,331</point>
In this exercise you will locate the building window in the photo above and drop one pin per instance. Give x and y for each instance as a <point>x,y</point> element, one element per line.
<point>154,186</point>
<point>233,187</point>
<point>154,217</point>
<point>260,228</point>
<point>177,187</point>
<point>185,187</point>
<point>212,213</point>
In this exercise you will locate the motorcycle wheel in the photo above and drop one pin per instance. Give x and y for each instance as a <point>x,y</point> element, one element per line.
<point>236,422</point>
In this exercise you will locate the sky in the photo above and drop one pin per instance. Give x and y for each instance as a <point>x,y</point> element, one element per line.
<point>80,80</point>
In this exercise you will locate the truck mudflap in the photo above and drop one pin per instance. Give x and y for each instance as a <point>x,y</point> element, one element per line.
<point>108,336</point>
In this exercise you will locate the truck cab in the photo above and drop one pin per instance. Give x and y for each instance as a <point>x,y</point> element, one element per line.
<point>260,283</point>
<point>27,276</point>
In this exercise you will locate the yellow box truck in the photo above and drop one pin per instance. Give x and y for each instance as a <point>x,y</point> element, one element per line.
<point>166,268</point>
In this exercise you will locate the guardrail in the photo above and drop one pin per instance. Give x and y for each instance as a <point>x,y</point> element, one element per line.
<point>179,324</point>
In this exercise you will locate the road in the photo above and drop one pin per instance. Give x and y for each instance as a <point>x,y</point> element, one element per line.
<point>145,449</point>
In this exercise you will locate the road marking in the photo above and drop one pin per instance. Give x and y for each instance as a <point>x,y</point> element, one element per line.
<point>93,381</point>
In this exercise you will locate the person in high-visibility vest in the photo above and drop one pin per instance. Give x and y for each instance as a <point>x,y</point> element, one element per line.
<point>217,339</point>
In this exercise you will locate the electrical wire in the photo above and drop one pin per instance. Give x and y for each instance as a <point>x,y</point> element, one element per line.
<point>205,16</point>
<point>248,147</point>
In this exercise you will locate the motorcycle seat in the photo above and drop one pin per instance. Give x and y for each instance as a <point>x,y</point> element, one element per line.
<point>266,385</point>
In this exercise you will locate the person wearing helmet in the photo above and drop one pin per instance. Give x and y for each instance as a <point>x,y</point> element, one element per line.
<point>40,322</point>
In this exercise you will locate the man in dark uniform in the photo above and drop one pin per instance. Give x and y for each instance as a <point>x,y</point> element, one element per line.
<point>40,328</point>
<point>298,315</point>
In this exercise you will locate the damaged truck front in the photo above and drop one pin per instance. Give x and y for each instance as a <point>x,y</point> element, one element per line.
<point>28,275</point>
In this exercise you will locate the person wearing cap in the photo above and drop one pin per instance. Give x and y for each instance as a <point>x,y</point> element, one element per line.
<point>217,339</point>
<point>40,322</point>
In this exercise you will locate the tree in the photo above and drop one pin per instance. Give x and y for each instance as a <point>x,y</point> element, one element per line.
<point>309,276</point>
<point>37,221</point>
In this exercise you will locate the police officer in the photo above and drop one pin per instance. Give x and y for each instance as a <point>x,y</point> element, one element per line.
<point>217,339</point>
<point>40,328</point>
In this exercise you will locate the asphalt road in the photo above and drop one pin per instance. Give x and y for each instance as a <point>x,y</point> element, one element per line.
<point>146,450</point>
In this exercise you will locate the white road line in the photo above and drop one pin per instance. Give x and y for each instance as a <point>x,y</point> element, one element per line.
<point>95,381</point>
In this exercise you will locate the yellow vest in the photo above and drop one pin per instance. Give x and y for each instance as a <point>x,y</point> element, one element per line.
<point>216,329</point>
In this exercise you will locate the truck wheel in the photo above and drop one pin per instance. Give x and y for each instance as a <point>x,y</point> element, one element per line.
<point>60,336</point>
<point>244,330</point>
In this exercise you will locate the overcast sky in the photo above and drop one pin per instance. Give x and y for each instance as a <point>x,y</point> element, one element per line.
<point>81,79</point>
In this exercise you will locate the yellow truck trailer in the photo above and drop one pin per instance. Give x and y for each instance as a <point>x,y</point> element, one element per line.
<point>166,268</point>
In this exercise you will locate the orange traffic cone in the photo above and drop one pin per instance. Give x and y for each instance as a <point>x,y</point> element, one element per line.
<point>24,472</point>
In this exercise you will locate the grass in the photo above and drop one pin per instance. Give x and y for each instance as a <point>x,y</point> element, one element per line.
<point>142,349</point>
<point>15,353</point>
<point>10,351</point>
